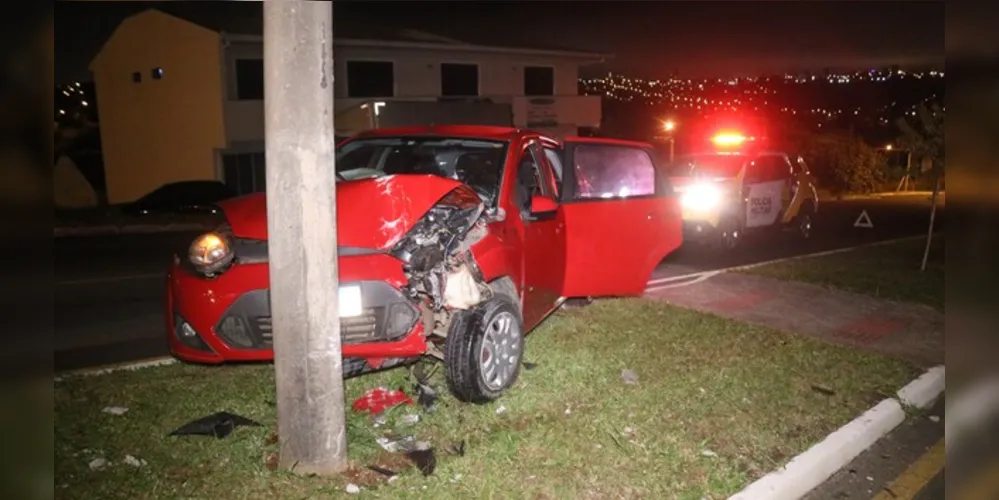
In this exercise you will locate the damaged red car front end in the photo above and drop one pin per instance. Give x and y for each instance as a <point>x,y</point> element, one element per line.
<point>225,315</point>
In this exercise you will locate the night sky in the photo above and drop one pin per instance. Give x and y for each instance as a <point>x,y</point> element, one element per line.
<point>648,38</point>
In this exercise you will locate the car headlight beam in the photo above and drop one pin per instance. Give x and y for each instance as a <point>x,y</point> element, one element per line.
<point>702,197</point>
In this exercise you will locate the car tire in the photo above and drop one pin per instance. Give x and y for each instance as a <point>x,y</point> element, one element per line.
<point>805,221</point>
<point>729,235</point>
<point>483,350</point>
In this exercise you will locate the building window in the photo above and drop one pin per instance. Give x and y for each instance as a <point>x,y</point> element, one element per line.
<point>539,81</point>
<point>370,79</point>
<point>249,79</point>
<point>459,80</point>
<point>136,77</point>
<point>157,73</point>
<point>244,173</point>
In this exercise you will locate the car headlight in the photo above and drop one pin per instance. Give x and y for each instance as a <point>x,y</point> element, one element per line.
<point>210,254</point>
<point>701,197</point>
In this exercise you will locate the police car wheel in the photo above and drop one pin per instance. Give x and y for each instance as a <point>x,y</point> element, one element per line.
<point>729,235</point>
<point>805,222</point>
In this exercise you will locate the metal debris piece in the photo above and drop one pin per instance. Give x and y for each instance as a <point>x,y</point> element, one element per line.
<point>404,444</point>
<point>115,410</point>
<point>409,419</point>
<point>629,377</point>
<point>220,425</point>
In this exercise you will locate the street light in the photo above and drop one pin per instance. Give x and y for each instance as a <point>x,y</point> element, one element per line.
<point>669,126</point>
<point>888,147</point>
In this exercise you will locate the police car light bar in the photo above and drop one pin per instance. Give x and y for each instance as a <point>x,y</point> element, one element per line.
<point>728,139</point>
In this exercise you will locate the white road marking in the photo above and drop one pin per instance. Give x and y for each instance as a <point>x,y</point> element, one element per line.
<point>111,279</point>
<point>663,283</point>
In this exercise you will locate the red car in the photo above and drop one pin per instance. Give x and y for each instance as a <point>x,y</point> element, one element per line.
<point>454,242</point>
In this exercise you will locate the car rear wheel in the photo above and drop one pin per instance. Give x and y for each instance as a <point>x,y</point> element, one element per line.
<point>483,350</point>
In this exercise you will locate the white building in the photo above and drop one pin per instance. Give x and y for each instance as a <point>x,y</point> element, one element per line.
<point>182,99</point>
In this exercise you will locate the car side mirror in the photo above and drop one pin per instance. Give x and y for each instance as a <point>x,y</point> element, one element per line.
<point>542,206</point>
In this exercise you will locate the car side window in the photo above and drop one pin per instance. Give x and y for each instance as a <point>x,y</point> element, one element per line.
<point>530,180</point>
<point>612,171</point>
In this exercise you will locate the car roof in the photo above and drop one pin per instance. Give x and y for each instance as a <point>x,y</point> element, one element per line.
<point>469,131</point>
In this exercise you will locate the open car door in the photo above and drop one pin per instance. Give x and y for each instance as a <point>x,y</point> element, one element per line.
<point>621,216</point>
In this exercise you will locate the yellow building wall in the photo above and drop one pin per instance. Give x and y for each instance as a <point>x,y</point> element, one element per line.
<point>164,130</point>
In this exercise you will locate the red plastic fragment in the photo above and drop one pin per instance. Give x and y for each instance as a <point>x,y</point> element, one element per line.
<point>379,399</point>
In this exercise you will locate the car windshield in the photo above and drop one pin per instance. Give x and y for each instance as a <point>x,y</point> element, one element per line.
<point>707,165</point>
<point>475,162</point>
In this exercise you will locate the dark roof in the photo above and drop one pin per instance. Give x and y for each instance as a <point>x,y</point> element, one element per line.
<point>246,18</point>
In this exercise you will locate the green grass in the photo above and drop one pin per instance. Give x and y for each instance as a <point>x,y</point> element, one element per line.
<point>889,271</point>
<point>571,428</point>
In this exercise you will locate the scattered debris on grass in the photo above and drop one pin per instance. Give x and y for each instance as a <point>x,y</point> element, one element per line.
<point>98,464</point>
<point>134,462</point>
<point>383,471</point>
<point>708,453</point>
<point>629,377</point>
<point>353,489</point>
<point>377,400</point>
<point>115,410</point>
<point>457,449</point>
<point>409,419</point>
<point>424,459</point>
<point>530,366</point>
<point>823,390</point>
<point>219,425</point>
<point>500,409</point>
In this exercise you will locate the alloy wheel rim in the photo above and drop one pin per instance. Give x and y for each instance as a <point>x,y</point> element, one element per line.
<point>500,351</point>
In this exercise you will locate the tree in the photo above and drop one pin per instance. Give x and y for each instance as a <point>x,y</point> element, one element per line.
<point>924,139</point>
<point>841,163</point>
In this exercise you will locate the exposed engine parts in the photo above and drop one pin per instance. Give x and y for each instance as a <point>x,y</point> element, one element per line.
<point>439,266</point>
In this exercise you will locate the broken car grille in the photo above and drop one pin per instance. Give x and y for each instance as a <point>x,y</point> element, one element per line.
<point>363,328</point>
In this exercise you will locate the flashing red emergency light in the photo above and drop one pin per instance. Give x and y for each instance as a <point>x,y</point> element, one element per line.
<point>729,139</point>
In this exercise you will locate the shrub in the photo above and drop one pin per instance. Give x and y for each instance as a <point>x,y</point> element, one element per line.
<point>843,164</point>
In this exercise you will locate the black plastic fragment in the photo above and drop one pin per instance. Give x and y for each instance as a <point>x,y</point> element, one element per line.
<point>383,471</point>
<point>219,425</point>
<point>530,366</point>
<point>425,460</point>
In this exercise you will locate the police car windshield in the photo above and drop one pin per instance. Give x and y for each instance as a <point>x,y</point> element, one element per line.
<point>707,165</point>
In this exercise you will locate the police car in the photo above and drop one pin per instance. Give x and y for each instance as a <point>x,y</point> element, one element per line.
<point>737,186</point>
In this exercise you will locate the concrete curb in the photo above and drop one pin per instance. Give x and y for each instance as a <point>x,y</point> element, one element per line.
<point>104,370</point>
<point>810,469</point>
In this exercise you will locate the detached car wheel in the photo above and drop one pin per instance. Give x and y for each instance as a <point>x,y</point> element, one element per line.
<point>483,350</point>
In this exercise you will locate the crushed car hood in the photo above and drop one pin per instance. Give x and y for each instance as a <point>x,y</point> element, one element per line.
<point>371,213</point>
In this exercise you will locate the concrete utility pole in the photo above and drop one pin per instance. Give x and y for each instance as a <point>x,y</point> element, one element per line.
<point>301,226</point>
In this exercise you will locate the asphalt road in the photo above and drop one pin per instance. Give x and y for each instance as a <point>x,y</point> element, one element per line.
<point>109,292</point>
